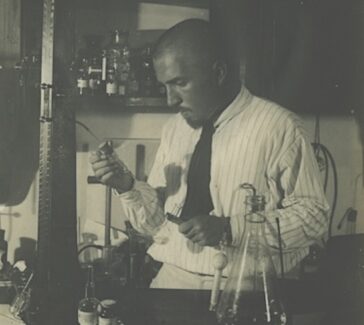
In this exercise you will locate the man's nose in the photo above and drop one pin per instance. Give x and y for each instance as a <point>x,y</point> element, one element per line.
<point>173,99</point>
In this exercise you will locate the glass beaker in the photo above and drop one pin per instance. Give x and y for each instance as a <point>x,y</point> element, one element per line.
<point>250,296</point>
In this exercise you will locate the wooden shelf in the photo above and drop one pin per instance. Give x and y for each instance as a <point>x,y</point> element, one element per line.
<point>100,103</point>
<point>112,4</point>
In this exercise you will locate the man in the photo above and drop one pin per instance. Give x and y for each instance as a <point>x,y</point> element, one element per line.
<point>222,137</point>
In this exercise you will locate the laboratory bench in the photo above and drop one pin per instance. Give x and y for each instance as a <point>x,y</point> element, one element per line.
<point>306,303</point>
<point>332,295</point>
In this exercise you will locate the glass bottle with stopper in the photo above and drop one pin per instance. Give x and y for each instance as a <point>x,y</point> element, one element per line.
<point>251,294</point>
<point>82,77</point>
<point>87,308</point>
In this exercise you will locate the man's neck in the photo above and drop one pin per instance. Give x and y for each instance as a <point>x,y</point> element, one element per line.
<point>229,93</point>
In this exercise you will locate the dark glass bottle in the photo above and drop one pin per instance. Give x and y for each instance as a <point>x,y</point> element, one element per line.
<point>3,250</point>
<point>124,70</point>
<point>82,76</point>
<point>87,308</point>
<point>148,81</point>
<point>111,82</point>
<point>107,314</point>
<point>114,51</point>
<point>132,85</point>
<point>94,71</point>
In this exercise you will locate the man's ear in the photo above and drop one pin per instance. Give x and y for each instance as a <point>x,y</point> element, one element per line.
<point>220,70</point>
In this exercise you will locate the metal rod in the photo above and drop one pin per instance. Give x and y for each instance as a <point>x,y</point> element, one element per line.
<point>108,216</point>
<point>280,247</point>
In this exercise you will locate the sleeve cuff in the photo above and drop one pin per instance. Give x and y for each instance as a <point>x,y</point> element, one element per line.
<point>130,195</point>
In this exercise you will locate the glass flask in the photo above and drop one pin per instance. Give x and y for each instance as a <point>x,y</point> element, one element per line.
<point>250,296</point>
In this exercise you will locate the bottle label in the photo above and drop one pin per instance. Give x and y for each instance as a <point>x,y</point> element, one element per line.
<point>93,83</point>
<point>87,318</point>
<point>111,88</point>
<point>106,321</point>
<point>122,90</point>
<point>82,83</point>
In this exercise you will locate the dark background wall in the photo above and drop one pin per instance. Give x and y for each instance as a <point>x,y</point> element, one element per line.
<point>20,29</point>
<point>305,54</point>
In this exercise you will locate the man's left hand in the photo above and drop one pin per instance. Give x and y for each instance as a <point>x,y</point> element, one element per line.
<point>204,230</point>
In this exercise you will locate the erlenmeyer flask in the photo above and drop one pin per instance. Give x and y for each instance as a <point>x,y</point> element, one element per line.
<point>250,296</point>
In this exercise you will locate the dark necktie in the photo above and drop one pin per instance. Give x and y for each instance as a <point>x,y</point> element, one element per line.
<point>198,198</point>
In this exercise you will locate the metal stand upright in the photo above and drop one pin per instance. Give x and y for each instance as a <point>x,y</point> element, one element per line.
<point>55,295</point>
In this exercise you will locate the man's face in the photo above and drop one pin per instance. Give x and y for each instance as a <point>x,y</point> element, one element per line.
<point>191,87</point>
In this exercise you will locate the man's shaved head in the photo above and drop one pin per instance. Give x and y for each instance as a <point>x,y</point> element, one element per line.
<point>194,39</point>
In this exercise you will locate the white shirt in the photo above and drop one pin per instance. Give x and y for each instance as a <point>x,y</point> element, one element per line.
<point>256,142</point>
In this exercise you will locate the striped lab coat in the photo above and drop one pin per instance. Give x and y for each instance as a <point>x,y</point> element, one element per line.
<point>257,142</point>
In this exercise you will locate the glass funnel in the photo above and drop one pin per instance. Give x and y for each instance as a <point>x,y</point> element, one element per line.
<point>250,296</point>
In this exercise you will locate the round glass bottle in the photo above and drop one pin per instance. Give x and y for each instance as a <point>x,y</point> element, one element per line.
<point>107,314</point>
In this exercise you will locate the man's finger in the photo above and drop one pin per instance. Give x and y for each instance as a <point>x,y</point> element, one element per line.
<point>192,233</point>
<point>105,170</point>
<point>186,226</point>
<point>106,178</point>
<point>199,239</point>
<point>100,164</point>
<point>103,164</point>
<point>95,157</point>
<point>195,236</point>
<point>201,242</point>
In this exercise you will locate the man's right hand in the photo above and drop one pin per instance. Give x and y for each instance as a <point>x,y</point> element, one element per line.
<point>112,172</point>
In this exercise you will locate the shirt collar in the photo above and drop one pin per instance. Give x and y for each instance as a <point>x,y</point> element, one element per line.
<point>235,107</point>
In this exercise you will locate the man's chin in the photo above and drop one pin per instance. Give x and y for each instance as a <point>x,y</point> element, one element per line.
<point>195,124</point>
